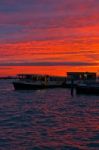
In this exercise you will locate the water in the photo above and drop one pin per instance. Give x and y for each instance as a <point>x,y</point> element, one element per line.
<point>47,120</point>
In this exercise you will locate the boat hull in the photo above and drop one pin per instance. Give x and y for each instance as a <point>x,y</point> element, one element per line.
<point>91,90</point>
<point>25,86</point>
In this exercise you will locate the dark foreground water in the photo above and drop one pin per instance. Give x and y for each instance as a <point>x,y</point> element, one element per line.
<point>47,120</point>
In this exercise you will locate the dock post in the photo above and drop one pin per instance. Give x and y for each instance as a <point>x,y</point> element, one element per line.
<point>72,87</point>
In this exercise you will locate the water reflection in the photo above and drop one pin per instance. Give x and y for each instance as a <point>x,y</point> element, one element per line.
<point>47,120</point>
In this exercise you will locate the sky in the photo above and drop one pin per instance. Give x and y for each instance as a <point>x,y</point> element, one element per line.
<point>49,36</point>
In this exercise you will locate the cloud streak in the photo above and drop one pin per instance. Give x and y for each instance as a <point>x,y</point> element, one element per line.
<point>41,20</point>
<point>49,64</point>
<point>49,33</point>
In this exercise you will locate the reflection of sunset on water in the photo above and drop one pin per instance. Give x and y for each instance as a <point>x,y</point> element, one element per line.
<point>47,119</point>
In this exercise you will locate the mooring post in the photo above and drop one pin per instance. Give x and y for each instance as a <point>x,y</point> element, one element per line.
<point>72,87</point>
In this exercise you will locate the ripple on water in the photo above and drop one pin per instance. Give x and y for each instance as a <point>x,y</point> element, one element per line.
<point>47,120</point>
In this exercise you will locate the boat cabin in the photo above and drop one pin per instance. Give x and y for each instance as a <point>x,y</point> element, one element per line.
<point>31,77</point>
<point>81,75</point>
<point>36,77</point>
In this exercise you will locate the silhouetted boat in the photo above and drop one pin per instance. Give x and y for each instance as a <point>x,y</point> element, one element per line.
<point>34,82</point>
<point>88,88</point>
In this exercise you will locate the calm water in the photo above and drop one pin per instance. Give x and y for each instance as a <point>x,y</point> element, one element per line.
<point>47,120</point>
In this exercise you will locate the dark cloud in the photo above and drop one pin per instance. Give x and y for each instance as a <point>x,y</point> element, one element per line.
<point>49,64</point>
<point>35,19</point>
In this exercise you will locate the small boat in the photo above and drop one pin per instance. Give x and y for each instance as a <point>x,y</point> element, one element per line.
<point>88,88</point>
<point>35,82</point>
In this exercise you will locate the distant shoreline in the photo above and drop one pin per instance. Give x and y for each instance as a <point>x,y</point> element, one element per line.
<point>13,77</point>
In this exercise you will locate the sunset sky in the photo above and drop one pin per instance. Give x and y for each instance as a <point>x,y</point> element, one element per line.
<point>49,36</point>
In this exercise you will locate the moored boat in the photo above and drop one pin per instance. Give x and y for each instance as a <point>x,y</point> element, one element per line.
<point>34,82</point>
<point>88,88</point>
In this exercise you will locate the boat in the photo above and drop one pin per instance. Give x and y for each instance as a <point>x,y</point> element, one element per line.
<point>91,88</point>
<point>35,82</point>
